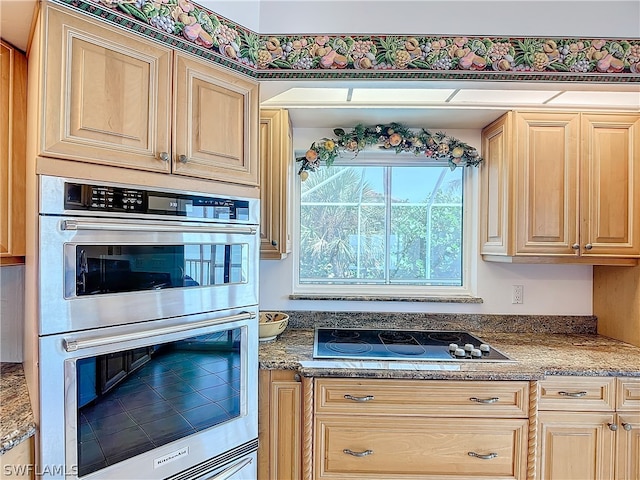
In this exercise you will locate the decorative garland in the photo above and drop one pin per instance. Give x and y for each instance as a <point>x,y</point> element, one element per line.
<point>446,55</point>
<point>394,136</point>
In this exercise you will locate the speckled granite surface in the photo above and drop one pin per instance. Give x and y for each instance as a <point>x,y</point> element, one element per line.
<point>16,417</point>
<point>540,345</point>
<point>585,324</point>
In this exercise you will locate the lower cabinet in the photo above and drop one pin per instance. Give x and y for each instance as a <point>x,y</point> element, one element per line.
<point>589,429</point>
<point>279,425</point>
<point>428,429</point>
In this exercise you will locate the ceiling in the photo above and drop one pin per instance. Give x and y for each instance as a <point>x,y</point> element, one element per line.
<point>426,103</point>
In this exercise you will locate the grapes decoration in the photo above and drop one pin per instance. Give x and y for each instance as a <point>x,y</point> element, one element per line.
<point>395,137</point>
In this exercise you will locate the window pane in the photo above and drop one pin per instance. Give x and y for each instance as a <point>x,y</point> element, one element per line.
<point>342,227</point>
<point>381,225</point>
<point>426,225</point>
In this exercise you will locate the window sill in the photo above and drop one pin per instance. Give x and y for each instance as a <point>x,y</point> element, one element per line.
<point>380,298</point>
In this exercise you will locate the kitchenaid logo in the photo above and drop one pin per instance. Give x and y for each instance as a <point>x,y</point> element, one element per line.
<point>170,457</point>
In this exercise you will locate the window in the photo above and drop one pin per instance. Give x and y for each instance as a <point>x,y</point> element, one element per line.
<point>385,227</point>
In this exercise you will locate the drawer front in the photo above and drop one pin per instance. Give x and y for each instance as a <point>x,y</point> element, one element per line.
<point>628,395</point>
<point>578,393</point>
<point>426,448</point>
<point>422,397</point>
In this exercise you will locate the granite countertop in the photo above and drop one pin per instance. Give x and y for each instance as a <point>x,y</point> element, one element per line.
<point>16,416</point>
<point>535,355</point>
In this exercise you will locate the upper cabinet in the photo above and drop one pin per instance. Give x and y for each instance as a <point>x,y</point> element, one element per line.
<point>276,158</point>
<point>561,187</point>
<point>13,103</point>
<point>112,98</point>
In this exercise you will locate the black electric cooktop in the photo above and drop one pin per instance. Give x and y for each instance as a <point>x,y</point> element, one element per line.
<point>408,345</point>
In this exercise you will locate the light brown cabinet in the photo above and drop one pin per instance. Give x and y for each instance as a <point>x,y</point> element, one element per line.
<point>111,98</point>
<point>19,462</point>
<point>13,103</point>
<point>561,187</point>
<point>588,429</point>
<point>397,429</point>
<point>279,425</point>
<point>276,156</point>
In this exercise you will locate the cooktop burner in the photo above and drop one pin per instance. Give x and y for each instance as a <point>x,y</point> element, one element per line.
<point>391,344</point>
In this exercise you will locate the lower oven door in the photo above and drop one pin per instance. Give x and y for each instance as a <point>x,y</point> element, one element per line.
<point>99,272</point>
<point>150,400</point>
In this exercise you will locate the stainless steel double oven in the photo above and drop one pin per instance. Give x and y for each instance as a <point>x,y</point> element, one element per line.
<point>148,332</point>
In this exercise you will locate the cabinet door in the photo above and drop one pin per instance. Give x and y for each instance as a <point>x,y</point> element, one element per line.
<point>216,123</point>
<point>388,448</point>
<point>13,103</point>
<point>496,190</point>
<point>280,425</point>
<point>610,185</point>
<point>628,447</point>
<point>575,446</point>
<point>106,95</point>
<point>546,179</point>
<point>276,153</point>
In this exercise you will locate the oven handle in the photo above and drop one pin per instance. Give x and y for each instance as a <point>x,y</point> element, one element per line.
<point>156,227</point>
<point>73,345</point>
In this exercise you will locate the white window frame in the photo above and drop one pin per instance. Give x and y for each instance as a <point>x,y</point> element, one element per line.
<point>470,225</point>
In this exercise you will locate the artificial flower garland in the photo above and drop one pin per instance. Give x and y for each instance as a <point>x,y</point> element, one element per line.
<point>394,136</point>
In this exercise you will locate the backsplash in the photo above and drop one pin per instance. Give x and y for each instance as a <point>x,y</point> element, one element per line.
<point>552,324</point>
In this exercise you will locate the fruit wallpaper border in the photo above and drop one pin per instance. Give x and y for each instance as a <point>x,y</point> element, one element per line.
<point>187,26</point>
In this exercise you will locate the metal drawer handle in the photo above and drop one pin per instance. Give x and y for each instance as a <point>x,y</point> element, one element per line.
<point>483,457</point>
<point>484,400</point>
<point>573,394</point>
<point>227,473</point>
<point>627,426</point>
<point>164,156</point>
<point>612,426</point>
<point>183,158</point>
<point>357,454</point>
<point>366,398</point>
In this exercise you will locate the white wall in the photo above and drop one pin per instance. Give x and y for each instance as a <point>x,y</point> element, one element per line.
<point>548,289</point>
<point>555,18</point>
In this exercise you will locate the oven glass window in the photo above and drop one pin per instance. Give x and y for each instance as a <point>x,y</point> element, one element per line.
<point>102,269</point>
<point>133,401</point>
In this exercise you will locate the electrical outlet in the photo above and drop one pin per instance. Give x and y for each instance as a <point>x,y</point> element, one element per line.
<point>517,295</point>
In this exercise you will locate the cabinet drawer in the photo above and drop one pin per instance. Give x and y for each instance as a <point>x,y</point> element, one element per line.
<point>577,393</point>
<point>412,447</point>
<point>628,395</point>
<point>422,397</point>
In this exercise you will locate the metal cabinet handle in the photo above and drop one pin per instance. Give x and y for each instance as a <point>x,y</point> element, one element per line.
<point>576,246</point>
<point>483,457</point>
<point>573,394</point>
<point>484,400</point>
<point>183,158</point>
<point>366,398</point>
<point>612,426</point>
<point>627,426</point>
<point>274,243</point>
<point>588,246</point>
<point>164,156</point>
<point>357,454</point>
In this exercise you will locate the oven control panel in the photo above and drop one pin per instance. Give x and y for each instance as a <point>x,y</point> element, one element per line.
<point>103,198</point>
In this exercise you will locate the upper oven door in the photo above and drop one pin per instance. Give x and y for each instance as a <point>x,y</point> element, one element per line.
<point>104,272</point>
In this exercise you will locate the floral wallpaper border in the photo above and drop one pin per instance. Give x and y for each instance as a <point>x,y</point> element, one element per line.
<point>185,25</point>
